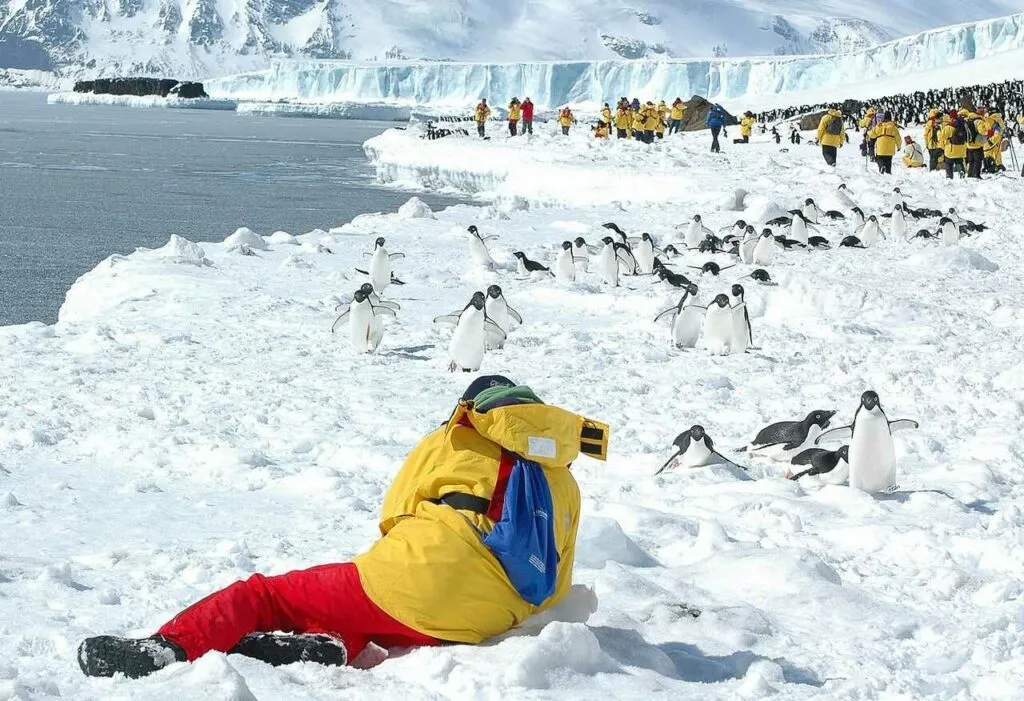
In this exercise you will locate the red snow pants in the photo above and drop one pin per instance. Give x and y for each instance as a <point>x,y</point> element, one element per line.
<point>326,599</point>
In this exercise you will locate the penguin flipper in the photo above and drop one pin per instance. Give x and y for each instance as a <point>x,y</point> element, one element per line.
<point>805,457</point>
<point>668,462</point>
<point>362,272</point>
<point>447,318</point>
<point>495,334</point>
<point>396,256</point>
<point>841,433</point>
<point>390,305</point>
<point>335,324</point>
<point>514,314</point>
<point>902,425</point>
<point>726,461</point>
<point>381,310</point>
<point>670,310</point>
<point>808,471</point>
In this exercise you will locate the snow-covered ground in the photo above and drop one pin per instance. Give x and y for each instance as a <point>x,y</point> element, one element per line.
<point>191,420</point>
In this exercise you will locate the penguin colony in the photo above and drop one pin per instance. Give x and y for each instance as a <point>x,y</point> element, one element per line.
<point>866,459</point>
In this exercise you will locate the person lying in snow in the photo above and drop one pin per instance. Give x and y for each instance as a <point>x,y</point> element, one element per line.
<point>478,533</point>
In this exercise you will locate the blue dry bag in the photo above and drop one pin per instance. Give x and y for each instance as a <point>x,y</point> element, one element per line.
<point>524,539</point>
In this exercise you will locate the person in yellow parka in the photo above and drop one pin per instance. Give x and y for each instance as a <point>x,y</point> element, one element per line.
<point>886,136</point>
<point>514,112</point>
<point>606,116</point>
<point>565,120</point>
<point>651,120</point>
<point>481,114</point>
<point>478,533</point>
<point>676,116</point>
<point>662,125</point>
<point>931,138</point>
<point>747,123</point>
<point>867,123</point>
<point>994,150</point>
<point>831,134</point>
<point>977,132</point>
<point>637,125</point>
<point>953,138</point>
<point>622,120</point>
<point>913,156</point>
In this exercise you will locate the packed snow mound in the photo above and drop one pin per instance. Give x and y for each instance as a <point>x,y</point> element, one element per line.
<point>415,208</point>
<point>244,236</point>
<point>954,259</point>
<point>180,250</point>
<point>592,83</point>
<point>282,238</point>
<point>601,541</point>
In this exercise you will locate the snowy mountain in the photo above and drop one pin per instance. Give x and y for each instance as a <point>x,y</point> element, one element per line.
<point>199,38</point>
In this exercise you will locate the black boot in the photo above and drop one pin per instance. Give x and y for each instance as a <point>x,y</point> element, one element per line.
<point>107,655</point>
<point>278,649</point>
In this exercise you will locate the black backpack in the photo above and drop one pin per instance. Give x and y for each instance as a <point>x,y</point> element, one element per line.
<point>960,134</point>
<point>834,126</point>
<point>972,131</point>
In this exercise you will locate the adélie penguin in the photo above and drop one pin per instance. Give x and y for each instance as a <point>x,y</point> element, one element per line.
<point>478,247</point>
<point>830,466</point>
<point>525,266</point>
<point>870,232</point>
<point>781,440</point>
<point>872,454</point>
<point>718,326</point>
<point>380,265</point>
<point>565,263</point>
<point>501,314</point>
<point>764,251</point>
<point>695,232</point>
<point>687,317</point>
<point>644,251</point>
<point>694,448</point>
<point>364,321</point>
<point>473,332</point>
<point>581,251</point>
<point>742,336</point>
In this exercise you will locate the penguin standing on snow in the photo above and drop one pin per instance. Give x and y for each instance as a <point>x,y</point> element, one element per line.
<point>380,266</point>
<point>858,218</point>
<point>694,448</point>
<point>473,332</point>
<point>799,228</point>
<point>843,195</point>
<point>500,313</point>
<point>742,336</point>
<point>764,251</point>
<point>581,251</point>
<point>478,247</point>
<point>747,245</point>
<point>610,260</point>
<point>718,326</point>
<point>644,251</point>
<point>565,263</point>
<point>695,232</point>
<point>899,222</point>
<point>949,232</point>
<point>810,211</point>
<point>364,321</point>
<point>687,317</point>
<point>783,439</point>
<point>830,466</point>
<point>870,232</point>
<point>872,454</point>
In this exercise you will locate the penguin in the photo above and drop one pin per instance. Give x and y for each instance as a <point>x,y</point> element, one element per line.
<point>673,278</point>
<point>644,251</point>
<point>742,335</point>
<point>500,313</point>
<point>966,224</point>
<point>899,222</point>
<point>949,232</point>
<point>872,455</point>
<point>830,466</point>
<point>694,448</point>
<point>779,221</point>
<point>799,228</point>
<point>925,234</point>
<point>896,197</point>
<point>784,439</point>
<point>736,229</point>
<point>375,299</point>
<point>858,218</point>
<point>612,226</point>
<point>608,263</point>
<point>565,263</point>
<point>687,317</point>
<point>809,211</point>
<point>761,276</point>
<point>710,244</point>
<point>818,242</point>
<point>834,215</point>
<point>365,327</point>
<point>670,252</point>
<point>718,326</point>
<point>527,266</point>
<point>870,232</point>
<point>711,267</point>
<point>473,333</point>
<point>788,243</point>
<point>843,194</point>
<point>764,251</point>
<point>695,232</point>
<point>380,265</point>
<point>581,251</point>
<point>478,247</point>
<point>748,244</point>
<point>851,242</point>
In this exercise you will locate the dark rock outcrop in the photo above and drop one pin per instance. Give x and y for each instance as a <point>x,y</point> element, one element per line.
<point>696,114</point>
<point>163,87</point>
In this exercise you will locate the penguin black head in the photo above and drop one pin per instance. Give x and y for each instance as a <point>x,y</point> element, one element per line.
<point>477,301</point>
<point>944,221</point>
<point>494,291</point>
<point>898,207</point>
<point>869,400</point>
<point>519,254</point>
<point>767,233</point>
<point>672,249</point>
<point>647,237</point>
<point>691,290</point>
<point>711,267</point>
<point>566,245</point>
<point>722,300</point>
<point>696,432</point>
<point>580,242</point>
<point>696,218</point>
<point>366,287</point>
<point>808,201</point>
<point>472,229</point>
<point>360,295</point>
<point>379,243</point>
<point>896,190</point>
<point>740,224</point>
<point>820,417</point>
<point>858,210</point>
<point>608,241</point>
<point>737,290</point>
<point>844,453</point>
<point>873,218</point>
<point>761,275</point>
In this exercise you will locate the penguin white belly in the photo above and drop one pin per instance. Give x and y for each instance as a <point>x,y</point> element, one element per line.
<point>380,270</point>
<point>899,225</point>
<point>375,334</point>
<point>718,329</point>
<point>686,326</point>
<point>478,251</point>
<point>764,251</point>
<point>798,232</point>
<point>810,213</point>
<point>872,454</point>
<point>694,235</point>
<point>740,333</point>
<point>360,325</point>
<point>644,255</point>
<point>521,268</point>
<point>697,455</point>
<point>838,474</point>
<point>608,266</point>
<point>497,311</point>
<point>870,237</point>
<point>747,250</point>
<point>565,267</point>
<point>467,346</point>
<point>950,234</point>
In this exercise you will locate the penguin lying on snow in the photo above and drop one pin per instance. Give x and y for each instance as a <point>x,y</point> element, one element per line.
<point>695,449</point>
<point>711,267</point>
<point>830,466</point>
<point>784,438</point>
<point>851,242</point>
<point>474,331</point>
<point>872,454</point>
<point>761,276</point>
<point>673,278</point>
<point>527,266</point>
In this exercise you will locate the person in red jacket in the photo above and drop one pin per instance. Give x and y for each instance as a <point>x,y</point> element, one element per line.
<point>527,115</point>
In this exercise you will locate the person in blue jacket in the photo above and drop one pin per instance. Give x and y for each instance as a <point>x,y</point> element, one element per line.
<point>715,121</point>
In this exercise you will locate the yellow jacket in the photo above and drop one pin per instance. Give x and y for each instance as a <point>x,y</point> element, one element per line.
<point>606,115</point>
<point>431,569</point>
<point>622,119</point>
<point>931,133</point>
<point>662,109</point>
<point>887,138</point>
<point>638,120</point>
<point>677,111</point>
<point>994,147</point>
<point>565,118</point>
<point>482,112</point>
<point>651,119</point>
<point>951,150</point>
<point>865,121</point>
<point>747,125</point>
<point>826,139</point>
<point>513,112</point>
<point>982,128</point>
